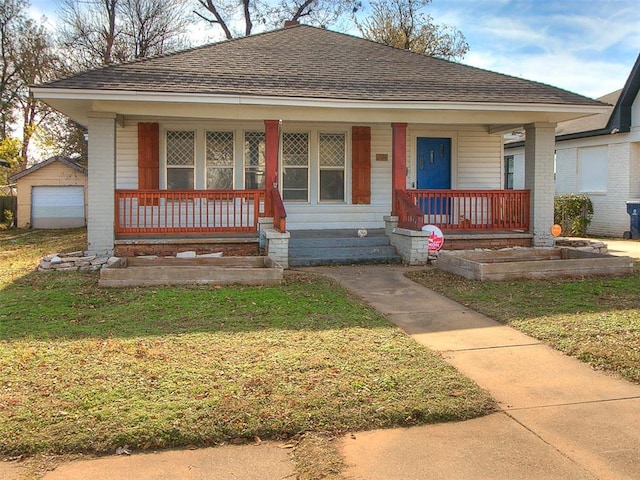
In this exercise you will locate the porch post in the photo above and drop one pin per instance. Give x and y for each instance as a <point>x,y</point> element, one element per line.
<point>271,140</point>
<point>398,162</point>
<point>539,152</point>
<point>101,183</point>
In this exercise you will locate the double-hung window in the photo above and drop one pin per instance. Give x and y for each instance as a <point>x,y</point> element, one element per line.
<point>219,160</point>
<point>332,166</point>
<point>295,166</point>
<point>254,160</point>
<point>180,159</point>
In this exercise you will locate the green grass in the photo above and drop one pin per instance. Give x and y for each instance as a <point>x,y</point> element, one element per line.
<point>84,369</point>
<point>596,320</point>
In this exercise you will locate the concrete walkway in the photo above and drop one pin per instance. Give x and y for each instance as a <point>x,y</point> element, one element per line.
<point>559,419</point>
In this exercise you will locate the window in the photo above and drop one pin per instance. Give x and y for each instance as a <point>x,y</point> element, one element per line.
<point>508,172</point>
<point>332,163</point>
<point>254,151</point>
<point>592,169</point>
<point>295,166</point>
<point>180,159</point>
<point>219,160</point>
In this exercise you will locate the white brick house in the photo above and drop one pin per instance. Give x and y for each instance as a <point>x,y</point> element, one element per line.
<point>599,156</point>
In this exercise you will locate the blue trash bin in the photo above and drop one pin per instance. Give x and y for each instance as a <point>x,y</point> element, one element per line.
<point>633,209</point>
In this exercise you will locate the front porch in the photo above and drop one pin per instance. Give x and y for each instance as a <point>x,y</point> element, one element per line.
<point>235,222</point>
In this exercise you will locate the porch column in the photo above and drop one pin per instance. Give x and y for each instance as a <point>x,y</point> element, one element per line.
<point>398,162</point>
<point>101,183</point>
<point>271,141</point>
<point>539,152</point>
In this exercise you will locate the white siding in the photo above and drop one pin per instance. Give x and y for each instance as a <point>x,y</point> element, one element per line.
<point>381,170</point>
<point>476,156</point>
<point>635,112</point>
<point>479,160</point>
<point>127,157</point>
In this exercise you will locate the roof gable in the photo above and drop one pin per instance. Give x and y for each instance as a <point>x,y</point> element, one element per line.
<point>64,160</point>
<point>309,62</point>
<point>621,117</point>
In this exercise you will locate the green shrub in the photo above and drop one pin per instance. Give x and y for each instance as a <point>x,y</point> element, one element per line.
<point>7,217</point>
<point>573,212</point>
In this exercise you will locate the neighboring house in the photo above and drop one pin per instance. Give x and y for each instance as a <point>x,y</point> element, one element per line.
<point>52,194</point>
<point>304,128</point>
<point>599,156</point>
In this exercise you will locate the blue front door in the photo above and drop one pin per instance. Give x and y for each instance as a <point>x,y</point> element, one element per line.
<point>434,171</point>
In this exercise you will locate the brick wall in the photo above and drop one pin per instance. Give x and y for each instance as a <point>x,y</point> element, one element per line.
<point>102,174</point>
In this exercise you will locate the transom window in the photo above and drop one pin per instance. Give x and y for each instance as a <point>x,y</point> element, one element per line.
<point>180,159</point>
<point>332,166</point>
<point>295,166</point>
<point>219,160</point>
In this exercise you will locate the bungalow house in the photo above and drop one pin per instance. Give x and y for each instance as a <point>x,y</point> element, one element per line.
<point>304,129</point>
<point>599,156</point>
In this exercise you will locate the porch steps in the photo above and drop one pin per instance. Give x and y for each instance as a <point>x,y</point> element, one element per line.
<point>309,248</point>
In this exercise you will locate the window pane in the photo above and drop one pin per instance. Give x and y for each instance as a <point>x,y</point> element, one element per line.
<point>253,179</point>
<point>332,185</point>
<point>295,184</point>
<point>254,146</point>
<point>295,149</point>
<point>180,147</point>
<point>219,178</point>
<point>254,160</point>
<point>294,195</point>
<point>180,178</point>
<point>508,172</point>
<point>220,149</point>
<point>593,169</point>
<point>332,149</point>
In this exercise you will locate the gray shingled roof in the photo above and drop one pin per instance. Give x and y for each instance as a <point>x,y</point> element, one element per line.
<point>308,62</point>
<point>592,122</point>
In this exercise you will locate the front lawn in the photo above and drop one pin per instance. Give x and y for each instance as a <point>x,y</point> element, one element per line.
<point>84,369</point>
<point>594,319</point>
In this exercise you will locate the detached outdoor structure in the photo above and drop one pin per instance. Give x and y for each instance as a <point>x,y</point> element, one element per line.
<point>52,194</point>
<point>304,129</point>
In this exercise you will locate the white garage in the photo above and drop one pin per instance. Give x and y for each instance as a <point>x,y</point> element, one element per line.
<point>57,207</point>
<point>52,194</point>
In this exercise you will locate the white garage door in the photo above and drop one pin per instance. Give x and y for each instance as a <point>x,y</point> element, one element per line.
<point>57,207</point>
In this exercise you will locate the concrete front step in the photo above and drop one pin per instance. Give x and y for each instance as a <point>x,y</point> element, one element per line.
<point>340,247</point>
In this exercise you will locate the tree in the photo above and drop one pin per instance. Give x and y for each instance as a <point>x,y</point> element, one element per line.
<point>400,24</point>
<point>104,32</point>
<point>36,62</point>
<point>153,27</point>
<point>9,153</point>
<point>225,13</point>
<point>11,20</point>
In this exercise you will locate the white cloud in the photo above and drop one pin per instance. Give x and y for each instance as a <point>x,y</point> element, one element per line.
<point>582,46</point>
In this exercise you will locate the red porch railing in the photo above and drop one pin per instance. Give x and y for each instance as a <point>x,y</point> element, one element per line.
<point>279,212</point>
<point>409,215</point>
<point>472,209</point>
<point>147,212</point>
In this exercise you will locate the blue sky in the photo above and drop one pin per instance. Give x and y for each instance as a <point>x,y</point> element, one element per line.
<point>585,46</point>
